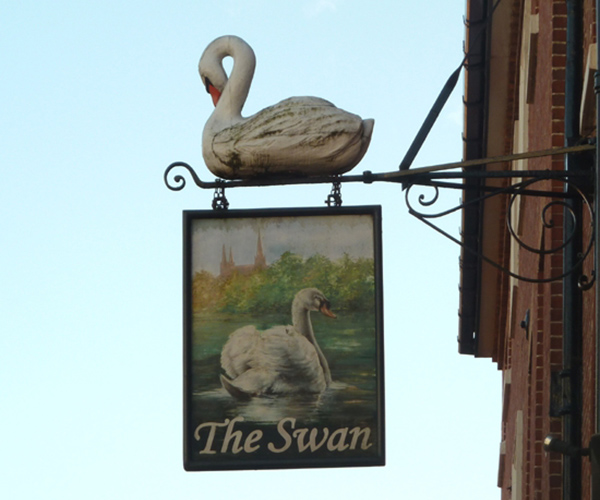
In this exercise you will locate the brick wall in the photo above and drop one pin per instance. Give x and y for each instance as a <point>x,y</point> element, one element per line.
<point>588,323</point>
<point>532,356</point>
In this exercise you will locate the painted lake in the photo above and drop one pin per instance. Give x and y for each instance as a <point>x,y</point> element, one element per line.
<point>352,401</point>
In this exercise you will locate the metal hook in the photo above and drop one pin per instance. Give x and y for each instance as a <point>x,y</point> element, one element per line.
<point>334,199</point>
<point>219,200</point>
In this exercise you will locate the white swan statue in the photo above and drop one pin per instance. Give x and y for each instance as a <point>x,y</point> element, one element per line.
<point>300,136</point>
<point>282,360</point>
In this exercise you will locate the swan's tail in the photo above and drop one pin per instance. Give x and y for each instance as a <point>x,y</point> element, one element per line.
<point>365,139</point>
<point>233,390</point>
<point>368,125</point>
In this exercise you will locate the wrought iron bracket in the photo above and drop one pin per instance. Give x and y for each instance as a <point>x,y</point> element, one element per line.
<point>436,174</point>
<point>467,176</point>
<point>542,250</point>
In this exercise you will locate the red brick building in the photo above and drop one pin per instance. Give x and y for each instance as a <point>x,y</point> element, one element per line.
<point>529,87</point>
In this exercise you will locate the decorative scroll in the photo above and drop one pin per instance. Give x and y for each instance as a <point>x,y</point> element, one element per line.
<point>446,176</point>
<point>178,182</point>
<point>515,191</point>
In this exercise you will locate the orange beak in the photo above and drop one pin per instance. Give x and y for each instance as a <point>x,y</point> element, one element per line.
<point>214,93</point>
<point>326,311</point>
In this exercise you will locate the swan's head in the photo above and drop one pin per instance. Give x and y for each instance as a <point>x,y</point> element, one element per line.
<point>211,69</point>
<point>313,299</point>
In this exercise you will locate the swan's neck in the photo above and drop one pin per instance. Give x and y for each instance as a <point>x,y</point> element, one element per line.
<point>302,323</point>
<point>236,90</point>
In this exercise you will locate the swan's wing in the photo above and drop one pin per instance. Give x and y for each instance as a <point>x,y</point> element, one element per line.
<point>289,354</point>
<point>295,129</point>
<point>278,360</point>
<point>238,351</point>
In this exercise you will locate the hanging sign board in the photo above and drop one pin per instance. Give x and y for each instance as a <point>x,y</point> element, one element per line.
<point>283,348</point>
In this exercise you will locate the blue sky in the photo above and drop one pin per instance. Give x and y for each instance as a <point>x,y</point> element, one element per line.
<point>98,98</point>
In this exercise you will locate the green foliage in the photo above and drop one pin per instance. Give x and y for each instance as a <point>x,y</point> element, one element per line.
<point>348,283</point>
<point>206,291</point>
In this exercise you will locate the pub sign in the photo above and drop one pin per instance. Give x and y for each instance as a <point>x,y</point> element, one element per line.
<point>283,340</point>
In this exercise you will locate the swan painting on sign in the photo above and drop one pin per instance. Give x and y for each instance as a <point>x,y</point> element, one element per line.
<point>283,350</point>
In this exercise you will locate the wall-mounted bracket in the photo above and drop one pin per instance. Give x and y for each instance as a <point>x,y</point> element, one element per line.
<point>514,192</point>
<point>458,175</point>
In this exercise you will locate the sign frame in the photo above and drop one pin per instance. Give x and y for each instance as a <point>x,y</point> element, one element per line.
<point>341,426</point>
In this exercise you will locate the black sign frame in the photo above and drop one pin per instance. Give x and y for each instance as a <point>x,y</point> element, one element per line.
<point>335,251</point>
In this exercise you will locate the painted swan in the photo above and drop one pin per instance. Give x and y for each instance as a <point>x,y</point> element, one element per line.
<point>303,136</point>
<point>279,361</point>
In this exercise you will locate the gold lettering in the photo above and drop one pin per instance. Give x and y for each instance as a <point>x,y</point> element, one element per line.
<point>300,434</point>
<point>356,432</point>
<point>207,450</point>
<point>284,434</point>
<point>252,438</point>
<point>340,435</point>
<point>235,435</point>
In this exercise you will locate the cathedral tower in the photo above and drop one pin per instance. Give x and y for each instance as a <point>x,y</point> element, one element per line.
<point>260,262</point>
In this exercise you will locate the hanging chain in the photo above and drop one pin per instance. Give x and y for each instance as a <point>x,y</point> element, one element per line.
<point>334,199</point>
<point>219,200</point>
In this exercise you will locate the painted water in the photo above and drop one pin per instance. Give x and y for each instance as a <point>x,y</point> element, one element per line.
<point>352,401</point>
<point>348,342</point>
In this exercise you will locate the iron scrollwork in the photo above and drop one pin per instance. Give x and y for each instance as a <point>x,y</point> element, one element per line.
<point>445,176</point>
<point>514,191</point>
<point>178,182</point>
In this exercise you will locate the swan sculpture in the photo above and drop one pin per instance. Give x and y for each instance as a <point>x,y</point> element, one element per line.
<point>281,360</point>
<point>303,136</point>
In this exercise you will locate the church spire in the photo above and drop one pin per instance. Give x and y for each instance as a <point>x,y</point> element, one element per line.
<point>223,262</point>
<point>259,260</point>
